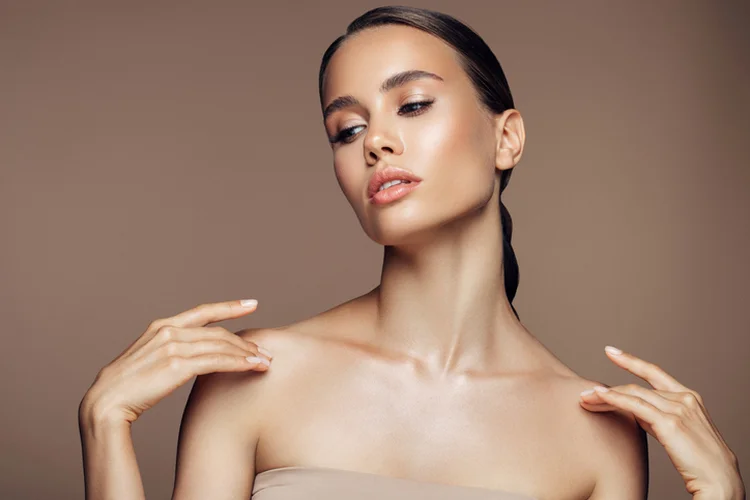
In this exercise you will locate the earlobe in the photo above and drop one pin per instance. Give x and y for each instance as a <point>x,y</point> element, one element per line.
<point>511,135</point>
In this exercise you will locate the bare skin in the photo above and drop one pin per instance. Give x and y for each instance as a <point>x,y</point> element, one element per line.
<point>357,406</point>
<point>429,376</point>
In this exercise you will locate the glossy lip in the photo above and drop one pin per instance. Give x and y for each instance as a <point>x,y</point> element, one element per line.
<point>393,193</point>
<point>386,174</point>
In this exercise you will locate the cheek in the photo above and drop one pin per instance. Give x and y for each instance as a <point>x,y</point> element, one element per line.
<point>452,151</point>
<point>349,173</point>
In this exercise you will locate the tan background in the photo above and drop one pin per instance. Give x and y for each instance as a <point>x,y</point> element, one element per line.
<point>154,157</point>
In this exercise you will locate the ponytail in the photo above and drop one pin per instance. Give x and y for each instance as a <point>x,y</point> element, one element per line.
<point>510,263</point>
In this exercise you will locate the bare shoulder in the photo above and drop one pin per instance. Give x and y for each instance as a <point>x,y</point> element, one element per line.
<point>292,347</point>
<point>241,397</point>
<point>319,343</point>
<point>219,432</point>
<point>287,340</point>
<point>240,401</point>
<point>613,442</point>
<point>299,356</point>
<point>245,396</point>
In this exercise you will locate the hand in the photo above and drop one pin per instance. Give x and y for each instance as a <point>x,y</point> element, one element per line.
<point>169,353</point>
<point>677,418</point>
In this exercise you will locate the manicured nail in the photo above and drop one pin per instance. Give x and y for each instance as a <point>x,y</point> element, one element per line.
<point>612,350</point>
<point>600,388</point>
<point>587,392</point>
<point>264,351</point>
<point>249,302</point>
<point>256,360</point>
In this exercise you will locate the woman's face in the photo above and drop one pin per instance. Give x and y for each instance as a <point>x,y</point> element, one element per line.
<point>450,141</point>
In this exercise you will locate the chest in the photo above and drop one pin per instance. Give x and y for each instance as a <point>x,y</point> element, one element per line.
<point>493,435</point>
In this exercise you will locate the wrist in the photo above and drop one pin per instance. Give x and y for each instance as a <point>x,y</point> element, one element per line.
<point>95,417</point>
<point>735,487</point>
<point>731,489</point>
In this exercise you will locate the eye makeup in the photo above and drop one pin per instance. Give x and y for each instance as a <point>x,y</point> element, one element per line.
<point>421,106</point>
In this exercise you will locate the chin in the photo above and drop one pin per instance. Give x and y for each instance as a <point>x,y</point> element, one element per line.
<point>392,226</point>
<point>400,226</point>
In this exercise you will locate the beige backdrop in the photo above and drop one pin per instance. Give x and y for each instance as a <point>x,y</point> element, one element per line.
<point>154,157</point>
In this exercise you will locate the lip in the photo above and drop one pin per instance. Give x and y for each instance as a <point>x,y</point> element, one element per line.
<point>389,173</point>
<point>393,193</point>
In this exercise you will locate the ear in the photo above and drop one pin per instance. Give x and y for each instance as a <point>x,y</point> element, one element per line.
<point>510,137</point>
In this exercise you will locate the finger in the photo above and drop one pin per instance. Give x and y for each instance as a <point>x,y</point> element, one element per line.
<point>691,402</point>
<point>204,314</point>
<point>197,316</point>
<point>168,334</point>
<point>640,408</point>
<point>598,407</point>
<point>200,347</point>
<point>649,372</point>
<point>656,398</point>
<point>210,363</point>
<point>690,399</point>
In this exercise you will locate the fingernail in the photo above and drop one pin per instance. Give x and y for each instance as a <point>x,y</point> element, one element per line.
<point>249,302</point>
<point>264,351</point>
<point>600,388</point>
<point>587,392</point>
<point>612,350</point>
<point>256,360</point>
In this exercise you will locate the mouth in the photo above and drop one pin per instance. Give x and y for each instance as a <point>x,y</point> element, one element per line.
<point>393,191</point>
<point>390,184</point>
<point>390,178</point>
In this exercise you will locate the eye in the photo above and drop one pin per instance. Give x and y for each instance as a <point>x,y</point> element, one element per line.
<point>423,105</point>
<point>346,136</point>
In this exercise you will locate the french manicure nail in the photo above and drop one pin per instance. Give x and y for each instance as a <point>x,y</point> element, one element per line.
<point>265,351</point>
<point>256,360</point>
<point>249,302</point>
<point>587,392</point>
<point>600,388</point>
<point>612,350</point>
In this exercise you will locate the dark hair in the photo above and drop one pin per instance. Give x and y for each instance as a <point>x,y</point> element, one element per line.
<point>481,66</point>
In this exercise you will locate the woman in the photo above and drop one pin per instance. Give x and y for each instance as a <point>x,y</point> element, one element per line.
<point>428,385</point>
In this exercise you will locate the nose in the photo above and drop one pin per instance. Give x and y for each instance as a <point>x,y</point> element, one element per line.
<point>382,141</point>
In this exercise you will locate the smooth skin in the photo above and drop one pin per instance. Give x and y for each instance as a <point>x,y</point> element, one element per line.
<point>428,376</point>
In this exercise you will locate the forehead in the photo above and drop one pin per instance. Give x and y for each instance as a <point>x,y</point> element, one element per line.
<point>370,56</point>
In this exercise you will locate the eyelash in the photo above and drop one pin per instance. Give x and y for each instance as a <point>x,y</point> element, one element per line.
<point>340,137</point>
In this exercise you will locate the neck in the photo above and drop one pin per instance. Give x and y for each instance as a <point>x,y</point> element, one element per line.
<point>442,299</point>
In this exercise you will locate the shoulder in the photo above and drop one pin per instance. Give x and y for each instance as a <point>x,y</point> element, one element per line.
<point>217,395</point>
<point>292,347</point>
<point>285,340</point>
<point>300,356</point>
<point>321,340</point>
<point>219,431</point>
<point>615,446</point>
<point>232,391</point>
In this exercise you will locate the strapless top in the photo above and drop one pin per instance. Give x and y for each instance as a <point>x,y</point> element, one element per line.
<point>321,483</point>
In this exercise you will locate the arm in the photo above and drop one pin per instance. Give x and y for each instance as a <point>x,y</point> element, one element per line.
<point>109,464</point>
<point>218,437</point>
<point>622,461</point>
<point>169,353</point>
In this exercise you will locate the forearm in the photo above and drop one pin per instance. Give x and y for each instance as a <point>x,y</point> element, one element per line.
<point>109,463</point>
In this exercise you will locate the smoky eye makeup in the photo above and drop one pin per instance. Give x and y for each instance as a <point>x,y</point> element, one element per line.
<point>412,108</point>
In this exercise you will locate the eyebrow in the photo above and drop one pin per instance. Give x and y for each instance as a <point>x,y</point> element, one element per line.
<point>393,81</point>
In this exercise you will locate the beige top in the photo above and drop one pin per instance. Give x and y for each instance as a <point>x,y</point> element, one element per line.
<point>320,483</point>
